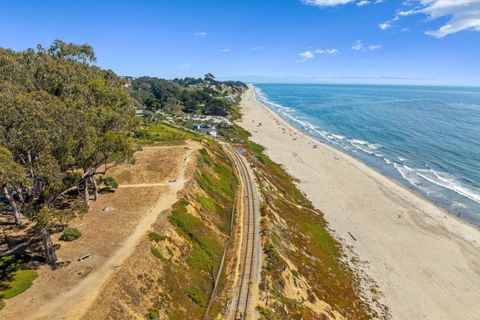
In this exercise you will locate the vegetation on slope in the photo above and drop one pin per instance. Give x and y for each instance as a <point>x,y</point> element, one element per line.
<point>160,133</point>
<point>205,96</point>
<point>201,218</point>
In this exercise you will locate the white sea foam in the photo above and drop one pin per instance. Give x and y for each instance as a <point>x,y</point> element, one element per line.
<point>337,136</point>
<point>364,146</point>
<point>387,161</point>
<point>448,181</point>
<point>418,176</point>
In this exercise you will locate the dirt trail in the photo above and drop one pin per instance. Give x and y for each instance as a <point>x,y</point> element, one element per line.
<point>137,185</point>
<point>74,303</point>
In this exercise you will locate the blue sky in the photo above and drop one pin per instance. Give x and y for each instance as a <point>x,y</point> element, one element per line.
<point>338,41</point>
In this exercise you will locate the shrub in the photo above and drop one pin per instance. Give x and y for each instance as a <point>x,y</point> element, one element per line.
<point>209,204</point>
<point>110,182</point>
<point>197,296</point>
<point>70,234</point>
<point>157,253</point>
<point>153,315</point>
<point>153,236</point>
<point>266,313</point>
<point>199,259</point>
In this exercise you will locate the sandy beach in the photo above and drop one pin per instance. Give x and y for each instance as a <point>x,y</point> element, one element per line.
<point>425,261</point>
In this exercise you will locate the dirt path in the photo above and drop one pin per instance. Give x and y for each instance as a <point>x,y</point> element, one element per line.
<point>137,185</point>
<point>74,303</point>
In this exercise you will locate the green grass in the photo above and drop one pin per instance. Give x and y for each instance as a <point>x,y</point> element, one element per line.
<point>219,180</point>
<point>321,236</point>
<point>233,133</point>
<point>199,259</point>
<point>209,204</point>
<point>159,132</point>
<point>156,253</point>
<point>153,236</point>
<point>197,296</point>
<point>195,229</point>
<point>21,281</point>
<point>189,284</point>
<point>15,277</point>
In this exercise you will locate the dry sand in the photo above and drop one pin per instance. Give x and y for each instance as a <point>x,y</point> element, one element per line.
<point>426,261</point>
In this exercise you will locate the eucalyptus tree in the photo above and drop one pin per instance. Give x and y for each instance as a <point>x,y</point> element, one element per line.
<point>63,121</point>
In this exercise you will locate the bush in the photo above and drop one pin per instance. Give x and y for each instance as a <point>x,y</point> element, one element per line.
<point>198,259</point>
<point>157,253</point>
<point>197,296</point>
<point>110,182</point>
<point>266,313</point>
<point>209,204</point>
<point>153,315</point>
<point>70,234</point>
<point>153,236</point>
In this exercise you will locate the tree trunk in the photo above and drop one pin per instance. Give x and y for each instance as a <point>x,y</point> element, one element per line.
<point>95,189</point>
<point>13,204</point>
<point>86,195</point>
<point>48,247</point>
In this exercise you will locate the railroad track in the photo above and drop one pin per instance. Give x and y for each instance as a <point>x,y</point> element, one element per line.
<point>242,306</point>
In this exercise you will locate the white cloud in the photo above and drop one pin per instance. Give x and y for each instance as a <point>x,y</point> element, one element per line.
<point>386,25</point>
<point>326,3</point>
<point>225,50</point>
<point>333,3</point>
<point>462,14</point>
<point>200,34</point>
<point>358,45</point>
<point>326,51</point>
<point>363,3</point>
<point>304,56</point>
<point>374,47</point>
<point>404,30</point>
<point>256,48</point>
<point>307,55</point>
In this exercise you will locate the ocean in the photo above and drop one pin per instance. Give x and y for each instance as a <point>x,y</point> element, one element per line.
<point>428,138</point>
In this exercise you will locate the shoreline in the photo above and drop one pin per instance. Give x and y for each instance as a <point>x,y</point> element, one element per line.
<point>425,260</point>
<point>367,167</point>
<point>372,163</point>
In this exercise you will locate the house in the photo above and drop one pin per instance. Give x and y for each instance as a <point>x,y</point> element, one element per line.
<point>230,98</point>
<point>205,129</point>
<point>212,132</point>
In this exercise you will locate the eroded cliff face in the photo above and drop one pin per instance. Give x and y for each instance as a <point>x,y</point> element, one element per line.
<point>171,273</point>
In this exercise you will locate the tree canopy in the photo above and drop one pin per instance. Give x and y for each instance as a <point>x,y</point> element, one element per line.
<point>61,120</point>
<point>189,95</point>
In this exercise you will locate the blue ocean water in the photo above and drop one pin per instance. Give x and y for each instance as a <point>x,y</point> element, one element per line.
<point>426,137</point>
